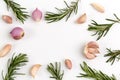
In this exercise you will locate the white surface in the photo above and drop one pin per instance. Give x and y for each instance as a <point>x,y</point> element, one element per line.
<point>45,43</point>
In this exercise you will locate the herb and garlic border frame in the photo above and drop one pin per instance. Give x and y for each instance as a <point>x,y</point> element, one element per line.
<point>55,68</point>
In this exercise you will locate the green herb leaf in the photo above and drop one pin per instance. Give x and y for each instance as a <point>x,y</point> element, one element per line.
<point>65,12</point>
<point>14,64</point>
<point>116,20</point>
<point>55,71</point>
<point>102,29</point>
<point>94,74</point>
<point>114,55</point>
<point>17,9</point>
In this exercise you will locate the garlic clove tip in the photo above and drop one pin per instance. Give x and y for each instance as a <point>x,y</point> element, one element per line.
<point>82,19</point>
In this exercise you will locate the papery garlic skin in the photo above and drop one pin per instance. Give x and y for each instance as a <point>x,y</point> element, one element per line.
<point>7,19</point>
<point>93,44</point>
<point>90,56</point>
<point>17,33</point>
<point>37,15</point>
<point>82,19</point>
<point>68,63</point>
<point>91,49</point>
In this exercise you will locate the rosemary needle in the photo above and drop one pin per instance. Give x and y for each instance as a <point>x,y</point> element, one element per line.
<point>19,11</point>
<point>94,74</point>
<point>14,64</point>
<point>62,13</point>
<point>113,55</point>
<point>102,29</point>
<point>55,71</point>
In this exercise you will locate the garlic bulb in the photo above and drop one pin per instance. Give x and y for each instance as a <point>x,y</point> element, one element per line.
<point>36,15</point>
<point>17,33</point>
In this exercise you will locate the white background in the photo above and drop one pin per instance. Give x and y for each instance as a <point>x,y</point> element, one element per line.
<point>45,43</point>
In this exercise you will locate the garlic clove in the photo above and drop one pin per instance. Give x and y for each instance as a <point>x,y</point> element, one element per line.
<point>36,15</point>
<point>5,50</point>
<point>82,19</point>
<point>87,54</point>
<point>93,50</point>
<point>68,63</point>
<point>7,19</point>
<point>17,33</point>
<point>90,56</point>
<point>85,49</point>
<point>98,7</point>
<point>34,70</point>
<point>92,44</point>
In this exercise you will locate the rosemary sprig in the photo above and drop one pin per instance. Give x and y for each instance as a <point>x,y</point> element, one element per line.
<point>102,29</point>
<point>116,20</point>
<point>19,11</point>
<point>55,71</point>
<point>14,64</point>
<point>65,12</point>
<point>94,74</point>
<point>113,55</point>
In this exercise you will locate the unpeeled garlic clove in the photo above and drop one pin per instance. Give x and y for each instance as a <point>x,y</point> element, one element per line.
<point>91,49</point>
<point>90,56</point>
<point>98,7</point>
<point>92,44</point>
<point>7,19</point>
<point>68,63</point>
<point>5,50</point>
<point>34,70</point>
<point>82,19</point>
<point>36,15</point>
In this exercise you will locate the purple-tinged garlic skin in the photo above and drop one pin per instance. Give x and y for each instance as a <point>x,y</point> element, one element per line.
<point>37,15</point>
<point>17,33</point>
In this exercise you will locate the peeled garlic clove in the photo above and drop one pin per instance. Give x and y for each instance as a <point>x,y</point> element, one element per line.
<point>98,7</point>
<point>68,63</point>
<point>92,44</point>
<point>34,70</point>
<point>82,19</point>
<point>93,50</point>
<point>5,50</point>
<point>17,33</point>
<point>37,15</point>
<point>90,56</point>
<point>7,19</point>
